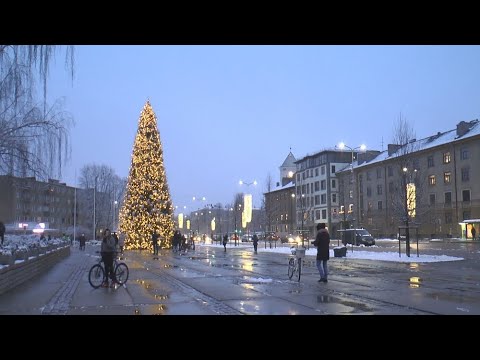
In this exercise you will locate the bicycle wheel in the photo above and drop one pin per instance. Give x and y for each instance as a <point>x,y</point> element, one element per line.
<point>121,273</point>
<point>96,276</point>
<point>291,267</point>
<point>299,267</point>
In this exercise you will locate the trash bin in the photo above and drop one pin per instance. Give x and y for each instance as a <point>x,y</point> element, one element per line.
<point>340,251</point>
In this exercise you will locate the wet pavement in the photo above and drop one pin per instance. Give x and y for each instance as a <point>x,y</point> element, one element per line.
<point>209,281</point>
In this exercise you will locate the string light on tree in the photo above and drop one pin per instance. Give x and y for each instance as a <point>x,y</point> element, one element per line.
<point>147,206</point>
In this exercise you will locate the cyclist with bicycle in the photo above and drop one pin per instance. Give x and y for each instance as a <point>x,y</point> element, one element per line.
<point>108,251</point>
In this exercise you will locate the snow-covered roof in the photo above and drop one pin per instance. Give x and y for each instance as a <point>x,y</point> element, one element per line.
<point>290,185</point>
<point>430,142</point>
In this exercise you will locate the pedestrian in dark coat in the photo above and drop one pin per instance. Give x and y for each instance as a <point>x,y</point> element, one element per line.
<point>225,241</point>
<point>2,231</point>
<point>255,242</point>
<point>155,242</point>
<point>322,242</point>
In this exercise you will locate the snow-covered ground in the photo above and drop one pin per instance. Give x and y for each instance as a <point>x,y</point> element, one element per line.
<point>359,252</point>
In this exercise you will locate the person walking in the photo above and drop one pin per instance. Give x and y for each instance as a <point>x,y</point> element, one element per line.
<point>82,242</point>
<point>255,242</point>
<point>2,231</point>
<point>107,251</point>
<point>322,242</point>
<point>225,241</point>
<point>474,232</point>
<point>155,242</point>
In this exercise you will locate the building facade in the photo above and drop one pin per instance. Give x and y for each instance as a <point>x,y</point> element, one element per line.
<point>433,183</point>
<point>26,202</point>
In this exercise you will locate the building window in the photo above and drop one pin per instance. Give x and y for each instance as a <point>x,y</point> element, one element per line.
<point>369,176</point>
<point>464,154</point>
<point>323,199</point>
<point>350,194</point>
<point>465,195</point>
<point>369,206</point>
<point>281,217</point>
<point>431,180</point>
<point>391,187</point>
<point>430,161</point>
<point>379,173</point>
<point>370,221</point>
<point>466,215</point>
<point>298,177</point>
<point>432,199</point>
<point>323,185</point>
<point>317,185</point>
<point>379,189</point>
<point>448,218</point>
<point>448,197</point>
<point>333,169</point>
<point>369,191</point>
<point>350,208</point>
<point>316,171</point>
<point>334,184</point>
<point>322,170</point>
<point>317,214</point>
<point>446,177</point>
<point>465,174</point>
<point>324,214</point>
<point>317,199</point>
<point>447,157</point>
<point>334,198</point>
<point>342,209</point>
<point>390,170</point>
<point>379,205</point>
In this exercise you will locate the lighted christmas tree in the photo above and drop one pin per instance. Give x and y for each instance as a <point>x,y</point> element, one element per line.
<point>147,206</point>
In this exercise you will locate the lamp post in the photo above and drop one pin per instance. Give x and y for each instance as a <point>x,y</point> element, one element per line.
<point>293,213</point>
<point>254,182</point>
<point>115,215</point>
<point>199,198</point>
<point>94,201</point>
<point>343,146</point>
<point>409,207</point>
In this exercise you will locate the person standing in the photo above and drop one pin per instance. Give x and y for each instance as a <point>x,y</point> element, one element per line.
<point>155,242</point>
<point>474,232</point>
<point>82,242</point>
<point>322,242</point>
<point>2,231</point>
<point>107,251</point>
<point>255,242</point>
<point>225,240</point>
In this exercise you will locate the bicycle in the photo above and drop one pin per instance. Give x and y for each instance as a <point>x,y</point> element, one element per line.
<point>97,276</point>
<point>295,262</point>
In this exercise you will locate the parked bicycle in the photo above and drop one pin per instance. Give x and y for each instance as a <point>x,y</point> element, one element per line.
<point>97,273</point>
<point>295,262</point>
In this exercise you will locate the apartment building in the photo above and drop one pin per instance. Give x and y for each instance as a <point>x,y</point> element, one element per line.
<point>435,180</point>
<point>26,202</point>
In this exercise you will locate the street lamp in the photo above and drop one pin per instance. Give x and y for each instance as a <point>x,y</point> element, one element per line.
<point>342,146</point>
<point>115,214</point>
<point>409,207</point>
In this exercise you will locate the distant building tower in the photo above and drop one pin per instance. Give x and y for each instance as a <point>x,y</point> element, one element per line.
<point>287,169</point>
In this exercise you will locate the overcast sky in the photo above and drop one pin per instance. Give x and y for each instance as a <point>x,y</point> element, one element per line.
<point>232,112</point>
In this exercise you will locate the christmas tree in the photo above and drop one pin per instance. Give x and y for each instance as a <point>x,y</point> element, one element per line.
<point>147,206</point>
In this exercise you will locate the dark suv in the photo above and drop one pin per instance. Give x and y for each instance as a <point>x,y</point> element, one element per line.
<point>357,237</point>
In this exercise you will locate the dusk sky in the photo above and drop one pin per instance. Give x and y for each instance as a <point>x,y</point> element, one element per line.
<point>232,112</point>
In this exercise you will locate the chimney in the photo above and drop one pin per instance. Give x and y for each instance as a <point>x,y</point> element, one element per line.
<point>462,128</point>
<point>392,148</point>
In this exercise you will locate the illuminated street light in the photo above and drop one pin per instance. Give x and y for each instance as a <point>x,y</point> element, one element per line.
<point>342,146</point>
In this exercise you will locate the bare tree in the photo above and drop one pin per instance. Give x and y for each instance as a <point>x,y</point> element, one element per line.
<point>410,182</point>
<point>108,188</point>
<point>34,137</point>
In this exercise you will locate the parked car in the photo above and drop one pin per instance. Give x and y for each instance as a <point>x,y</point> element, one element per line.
<point>246,238</point>
<point>357,237</point>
